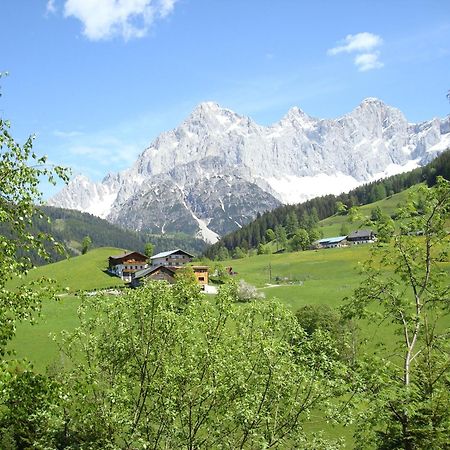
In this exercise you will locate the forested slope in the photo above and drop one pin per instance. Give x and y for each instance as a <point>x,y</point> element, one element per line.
<point>252,234</point>
<point>70,227</point>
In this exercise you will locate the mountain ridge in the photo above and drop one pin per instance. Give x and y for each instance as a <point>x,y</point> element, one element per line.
<point>218,156</point>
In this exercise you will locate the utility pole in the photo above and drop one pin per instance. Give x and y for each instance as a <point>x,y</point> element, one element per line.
<point>269,269</point>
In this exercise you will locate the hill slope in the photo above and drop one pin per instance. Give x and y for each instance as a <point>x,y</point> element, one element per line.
<point>69,227</point>
<point>80,273</point>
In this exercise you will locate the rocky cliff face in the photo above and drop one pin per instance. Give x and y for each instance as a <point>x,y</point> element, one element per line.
<point>218,169</point>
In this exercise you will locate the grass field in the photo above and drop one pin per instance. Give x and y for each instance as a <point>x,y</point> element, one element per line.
<point>296,279</point>
<point>323,276</point>
<point>80,273</point>
<point>319,276</point>
<point>331,226</point>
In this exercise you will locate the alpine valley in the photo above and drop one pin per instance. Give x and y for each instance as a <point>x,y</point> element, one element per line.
<point>218,170</point>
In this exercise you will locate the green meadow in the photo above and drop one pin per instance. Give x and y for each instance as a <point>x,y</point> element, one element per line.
<point>73,275</point>
<point>80,273</point>
<point>331,226</point>
<point>322,276</point>
<point>298,278</point>
<point>295,279</point>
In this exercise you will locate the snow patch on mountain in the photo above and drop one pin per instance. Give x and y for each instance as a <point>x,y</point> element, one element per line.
<point>204,232</point>
<point>394,169</point>
<point>292,189</point>
<point>442,145</point>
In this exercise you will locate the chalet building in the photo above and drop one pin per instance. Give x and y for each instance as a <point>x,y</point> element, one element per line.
<point>361,237</point>
<point>172,258</point>
<point>159,273</point>
<point>331,242</point>
<point>127,264</point>
<point>166,273</point>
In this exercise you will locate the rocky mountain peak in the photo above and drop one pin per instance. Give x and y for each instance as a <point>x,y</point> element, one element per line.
<point>218,168</point>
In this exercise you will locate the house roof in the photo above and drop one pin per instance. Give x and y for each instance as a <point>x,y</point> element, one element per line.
<point>127,254</point>
<point>331,240</point>
<point>150,270</point>
<point>361,234</point>
<point>171,252</point>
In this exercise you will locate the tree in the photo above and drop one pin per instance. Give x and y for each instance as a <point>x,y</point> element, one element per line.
<point>223,254</point>
<point>344,230</point>
<point>385,229</point>
<point>291,223</point>
<point>270,234</point>
<point>197,376</point>
<point>24,402</point>
<point>301,240</point>
<point>280,236</point>
<point>86,245</point>
<point>247,292</point>
<point>341,208</point>
<point>376,214</point>
<point>149,249</point>
<point>313,218</point>
<point>20,173</point>
<point>354,214</point>
<point>407,396</point>
<point>239,253</point>
<point>342,332</point>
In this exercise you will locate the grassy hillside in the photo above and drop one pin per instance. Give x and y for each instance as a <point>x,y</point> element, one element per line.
<point>80,273</point>
<point>83,272</point>
<point>331,225</point>
<point>319,276</point>
<point>324,276</point>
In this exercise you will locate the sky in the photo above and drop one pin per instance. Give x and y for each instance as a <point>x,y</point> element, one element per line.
<point>97,80</point>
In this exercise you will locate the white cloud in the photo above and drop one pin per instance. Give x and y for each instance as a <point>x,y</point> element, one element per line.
<point>364,44</point>
<point>368,61</point>
<point>361,42</point>
<point>50,8</point>
<point>105,19</point>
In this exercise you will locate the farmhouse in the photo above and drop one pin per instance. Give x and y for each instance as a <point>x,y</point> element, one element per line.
<point>361,237</point>
<point>166,273</point>
<point>331,242</point>
<point>172,258</point>
<point>160,273</point>
<point>126,265</point>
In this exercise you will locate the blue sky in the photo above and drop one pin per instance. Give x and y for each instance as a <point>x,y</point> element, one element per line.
<point>98,80</point>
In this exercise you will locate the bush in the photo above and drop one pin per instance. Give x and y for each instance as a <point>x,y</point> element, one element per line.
<point>247,292</point>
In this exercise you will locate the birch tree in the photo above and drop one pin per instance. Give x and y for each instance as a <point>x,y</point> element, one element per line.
<point>407,392</point>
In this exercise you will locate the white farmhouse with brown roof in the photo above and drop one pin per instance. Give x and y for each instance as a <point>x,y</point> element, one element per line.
<point>125,265</point>
<point>172,258</point>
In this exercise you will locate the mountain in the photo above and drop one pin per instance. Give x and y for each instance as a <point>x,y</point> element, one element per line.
<point>218,170</point>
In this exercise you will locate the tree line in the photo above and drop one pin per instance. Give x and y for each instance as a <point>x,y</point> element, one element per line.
<point>250,236</point>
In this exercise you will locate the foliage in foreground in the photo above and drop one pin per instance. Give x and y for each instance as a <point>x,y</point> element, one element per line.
<point>406,396</point>
<point>157,372</point>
